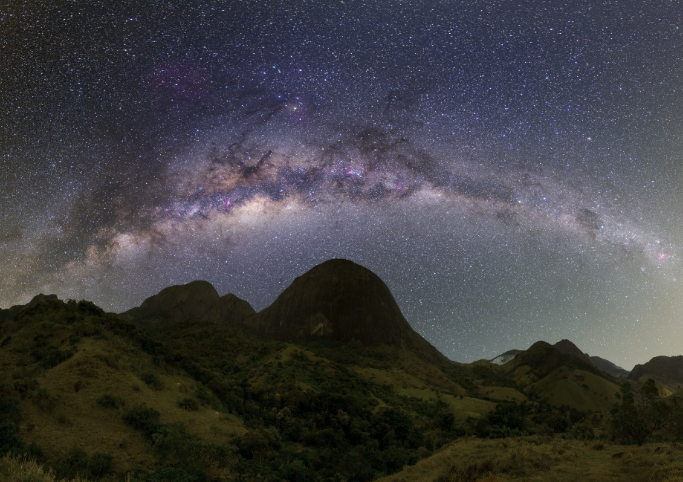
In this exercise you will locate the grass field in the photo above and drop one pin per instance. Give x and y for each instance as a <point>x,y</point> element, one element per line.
<point>17,469</point>
<point>546,459</point>
<point>524,459</point>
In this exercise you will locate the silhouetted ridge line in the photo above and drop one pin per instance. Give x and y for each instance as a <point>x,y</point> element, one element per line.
<point>343,301</point>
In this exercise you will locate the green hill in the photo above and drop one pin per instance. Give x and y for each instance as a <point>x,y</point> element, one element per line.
<point>87,392</point>
<point>196,387</point>
<point>578,389</point>
<point>563,375</point>
<point>77,377</point>
<point>667,371</point>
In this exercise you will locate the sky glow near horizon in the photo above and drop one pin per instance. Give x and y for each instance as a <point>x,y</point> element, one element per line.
<point>512,171</point>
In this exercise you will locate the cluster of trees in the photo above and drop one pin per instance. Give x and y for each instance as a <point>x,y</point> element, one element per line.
<point>180,454</point>
<point>534,416</point>
<point>640,415</point>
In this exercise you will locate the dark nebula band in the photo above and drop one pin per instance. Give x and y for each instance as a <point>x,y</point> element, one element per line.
<point>512,172</point>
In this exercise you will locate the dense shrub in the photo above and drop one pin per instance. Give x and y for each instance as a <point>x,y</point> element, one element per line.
<point>100,464</point>
<point>152,381</point>
<point>189,404</point>
<point>90,308</point>
<point>44,399</point>
<point>9,438</point>
<point>171,474</point>
<point>258,442</point>
<point>76,463</point>
<point>110,401</point>
<point>51,356</point>
<point>177,448</point>
<point>25,386</point>
<point>143,418</point>
<point>508,419</point>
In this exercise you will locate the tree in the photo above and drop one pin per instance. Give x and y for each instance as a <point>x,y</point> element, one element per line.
<point>9,437</point>
<point>636,418</point>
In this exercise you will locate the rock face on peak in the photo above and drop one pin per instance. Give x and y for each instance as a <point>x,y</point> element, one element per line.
<point>340,300</point>
<point>503,358</point>
<point>236,307</point>
<point>194,301</point>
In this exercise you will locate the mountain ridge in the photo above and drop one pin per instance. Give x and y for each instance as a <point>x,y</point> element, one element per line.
<point>305,377</point>
<point>609,367</point>
<point>667,370</point>
<point>194,301</point>
<point>343,301</point>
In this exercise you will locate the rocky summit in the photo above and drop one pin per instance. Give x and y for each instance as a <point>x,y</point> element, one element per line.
<point>340,300</point>
<point>195,301</point>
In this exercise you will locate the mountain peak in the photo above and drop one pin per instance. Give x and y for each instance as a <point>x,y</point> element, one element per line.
<point>341,300</point>
<point>36,301</point>
<point>194,301</point>
<point>41,299</point>
<point>566,346</point>
<point>191,300</point>
<point>543,358</point>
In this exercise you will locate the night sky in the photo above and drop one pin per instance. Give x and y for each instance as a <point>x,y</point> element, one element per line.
<point>512,170</point>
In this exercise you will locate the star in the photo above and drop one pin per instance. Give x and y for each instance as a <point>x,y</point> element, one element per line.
<point>512,172</point>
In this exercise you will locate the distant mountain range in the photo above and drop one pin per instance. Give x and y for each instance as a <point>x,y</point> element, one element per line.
<point>328,369</point>
<point>609,367</point>
<point>343,301</point>
<point>567,347</point>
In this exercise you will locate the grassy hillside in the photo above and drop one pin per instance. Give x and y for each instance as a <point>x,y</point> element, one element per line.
<point>77,377</point>
<point>562,378</point>
<point>578,389</point>
<point>88,394</point>
<point>378,408</point>
<point>547,460</point>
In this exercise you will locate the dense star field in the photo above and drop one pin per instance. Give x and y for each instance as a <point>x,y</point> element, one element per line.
<point>512,170</point>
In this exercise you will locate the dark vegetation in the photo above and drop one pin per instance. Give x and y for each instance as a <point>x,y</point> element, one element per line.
<point>640,415</point>
<point>305,412</point>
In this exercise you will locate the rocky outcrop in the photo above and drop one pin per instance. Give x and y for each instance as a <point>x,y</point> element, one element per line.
<point>340,300</point>
<point>195,301</point>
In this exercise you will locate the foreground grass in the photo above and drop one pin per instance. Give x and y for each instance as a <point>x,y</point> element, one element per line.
<point>547,459</point>
<point>18,469</point>
<point>532,459</point>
